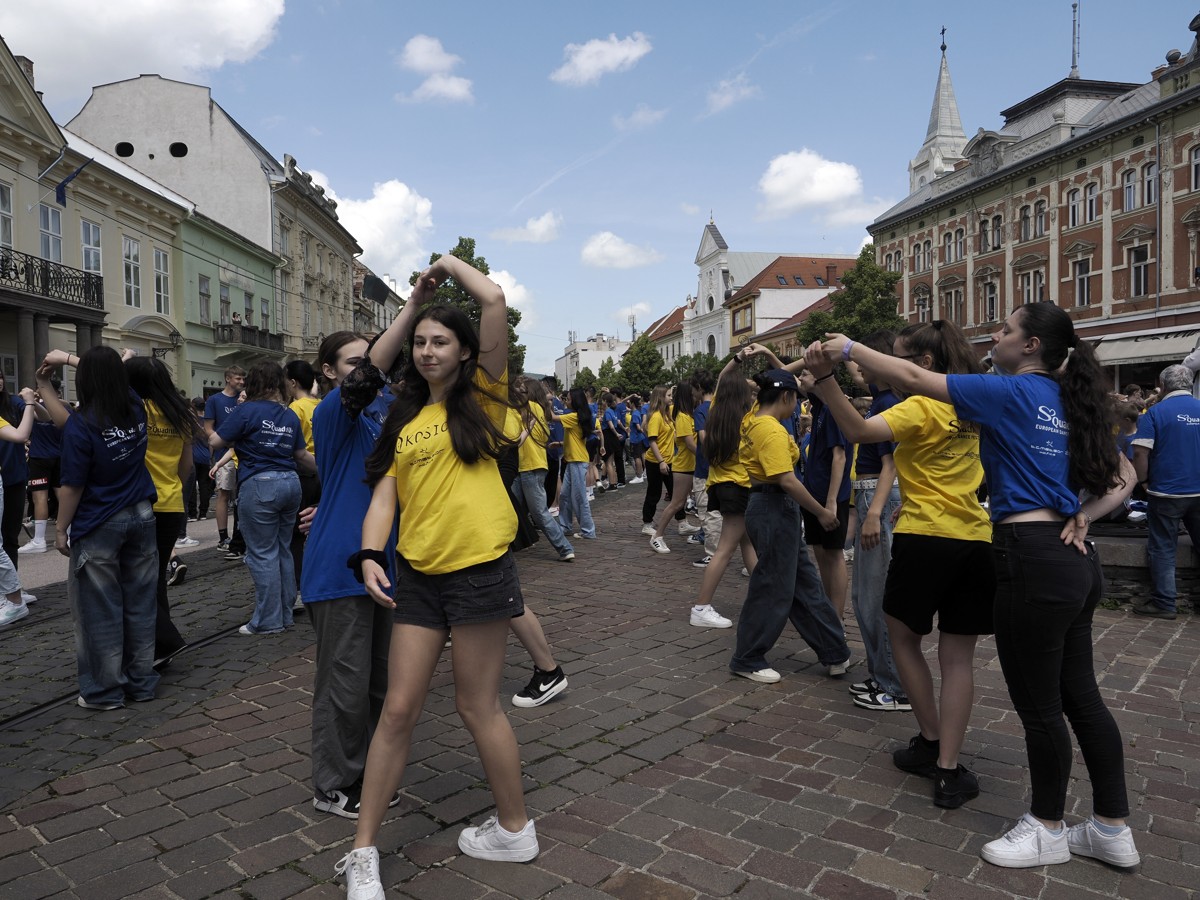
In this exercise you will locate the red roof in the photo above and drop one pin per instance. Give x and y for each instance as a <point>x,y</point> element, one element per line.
<point>799,273</point>
<point>669,324</point>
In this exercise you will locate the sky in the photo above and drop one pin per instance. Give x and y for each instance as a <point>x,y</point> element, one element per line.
<point>586,145</point>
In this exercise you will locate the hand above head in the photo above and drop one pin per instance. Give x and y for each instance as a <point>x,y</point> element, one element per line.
<point>816,361</point>
<point>834,345</point>
<point>56,358</point>
<point>29,395</point>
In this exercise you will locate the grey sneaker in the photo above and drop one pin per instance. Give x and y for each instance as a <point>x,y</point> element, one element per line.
<point>491,841</point>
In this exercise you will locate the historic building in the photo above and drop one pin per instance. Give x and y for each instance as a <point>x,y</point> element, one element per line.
<point>722,272</point>
<point>1088,197</point>
<point>786,291</point>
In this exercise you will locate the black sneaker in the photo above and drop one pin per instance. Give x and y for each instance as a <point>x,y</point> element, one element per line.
<point>870,686</point>
<point>954,787</point>
<point>234,556</point>
<point>223,545</point>
<point>542,686</point>
<point>919,757</point>
<point>702,562</point>
<point>882,700</point>
<point>176,572</point>
<point>1152,610</point>
<point>342,803</point>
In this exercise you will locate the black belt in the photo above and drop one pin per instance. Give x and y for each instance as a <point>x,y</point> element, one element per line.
<point>766,489</point>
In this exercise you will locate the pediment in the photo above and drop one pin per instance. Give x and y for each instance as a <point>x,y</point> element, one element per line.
<point>1030,261</point>
<point>951,281</point>
<point>920,290</point>
<point>1135,233</point>
<point>711,243</point>
<point>1192,216</point>
<point>21,108</point>
<point>984,272</point>
<point>1079,248</point>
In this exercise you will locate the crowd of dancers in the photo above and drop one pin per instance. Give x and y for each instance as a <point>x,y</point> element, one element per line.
<point>389,487</point>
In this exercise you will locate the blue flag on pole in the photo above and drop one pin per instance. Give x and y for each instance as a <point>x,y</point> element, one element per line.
<point>60,192</point>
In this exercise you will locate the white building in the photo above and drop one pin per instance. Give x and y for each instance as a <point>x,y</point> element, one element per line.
<point>588,354</point>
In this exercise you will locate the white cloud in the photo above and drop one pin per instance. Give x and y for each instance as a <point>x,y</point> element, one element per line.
<point>518,296</point>
<point>607,251</point>
<point>642,117</point>
<point>75,45</point>
<point>803,179</point>
<point>689,209</point>
<point>391,226</point>
<point>588,63</point>
<point>730,91</point>
<point>860,212</point>
<point>540,230</point>
<point>426,55</point>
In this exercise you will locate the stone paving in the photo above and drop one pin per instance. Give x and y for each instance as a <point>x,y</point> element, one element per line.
<point>657,775</point>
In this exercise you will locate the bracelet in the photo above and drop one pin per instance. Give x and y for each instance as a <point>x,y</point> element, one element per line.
<point>846,350</point>
<point>825,377</point>
<point>355,562</point>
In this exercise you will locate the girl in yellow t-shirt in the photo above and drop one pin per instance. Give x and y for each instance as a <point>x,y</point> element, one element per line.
<point>941,551</point>
<point>436,464</point>
<point>579,427</point>
<point>660,433</point>
<point>683,465</point>
<point>170,429</point>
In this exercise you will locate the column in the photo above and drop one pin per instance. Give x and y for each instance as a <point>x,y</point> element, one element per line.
<point>97,335</point>
<point>27,362</point>
<point>41,336</point>
<point>83,337</point>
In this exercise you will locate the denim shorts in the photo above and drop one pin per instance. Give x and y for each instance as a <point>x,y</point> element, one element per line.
<point>952,578</point>
<point>480,593</point>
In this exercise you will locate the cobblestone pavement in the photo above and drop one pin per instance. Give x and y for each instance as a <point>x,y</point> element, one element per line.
<point>657,775</point>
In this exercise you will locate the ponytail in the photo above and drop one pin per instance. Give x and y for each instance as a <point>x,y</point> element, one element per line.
<point>1091,421</point>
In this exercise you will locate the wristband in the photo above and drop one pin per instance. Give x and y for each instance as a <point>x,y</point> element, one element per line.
<point>825,377</point>
<point>846,350</point>
<point>354,563</point>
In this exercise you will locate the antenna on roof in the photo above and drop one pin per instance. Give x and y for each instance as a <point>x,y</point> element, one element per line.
<point>1074,41</point>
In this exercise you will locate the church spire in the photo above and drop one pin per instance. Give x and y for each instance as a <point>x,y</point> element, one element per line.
<point>944,138</point>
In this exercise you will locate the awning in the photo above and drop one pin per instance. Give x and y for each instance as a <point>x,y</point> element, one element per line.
<point>1170,346</point>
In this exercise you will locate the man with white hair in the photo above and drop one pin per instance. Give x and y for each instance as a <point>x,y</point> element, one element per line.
<point>1166,457</point>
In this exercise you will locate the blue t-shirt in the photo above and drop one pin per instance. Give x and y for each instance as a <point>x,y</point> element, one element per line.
<point>613,421</point>
<point>336,532</point>
<point>13,468</point>
<point>109,464</point>
<point>201,455</point>
<point>1171,429</point>
<point>556,430</point>
<point>700,420</point>
<point>637,432</point>
<point>826,435</point>
<point>870,456</point>
<point>45,441</point>
<point>265,435</point>
<point>1022,440</point>
<point>219,407</point>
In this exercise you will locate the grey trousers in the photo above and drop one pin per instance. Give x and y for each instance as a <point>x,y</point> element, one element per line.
<point>353,634</point>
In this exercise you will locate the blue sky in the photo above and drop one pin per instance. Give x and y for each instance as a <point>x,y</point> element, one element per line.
<point>584,145</point>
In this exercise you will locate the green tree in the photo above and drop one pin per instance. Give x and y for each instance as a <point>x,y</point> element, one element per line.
<point>642,367</point>
<point>585,379</point>
<point>607,376</point>
<point>866,303</point>
<point>452,293</point>
<point>685,366</point>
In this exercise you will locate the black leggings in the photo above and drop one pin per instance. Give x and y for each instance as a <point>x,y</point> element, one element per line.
<point>614,447</point>
<point>167,639</point>
<point>655,482</point>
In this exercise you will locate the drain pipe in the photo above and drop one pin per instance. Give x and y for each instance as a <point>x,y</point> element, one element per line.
<point>1158,219</point>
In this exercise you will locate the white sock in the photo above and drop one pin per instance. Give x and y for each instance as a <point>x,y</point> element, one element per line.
<point>39,530</point>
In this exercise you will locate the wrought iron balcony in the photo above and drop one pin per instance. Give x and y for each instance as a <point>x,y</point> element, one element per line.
<point>248,335</point>
<point>34,275</point>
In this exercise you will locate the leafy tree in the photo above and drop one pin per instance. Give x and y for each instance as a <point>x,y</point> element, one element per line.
<point>866,303</point>
<point>684,366</point>
<point>452,293</point>
<point>585,379</point>
<point>607,376</point>
<point>642,367</point>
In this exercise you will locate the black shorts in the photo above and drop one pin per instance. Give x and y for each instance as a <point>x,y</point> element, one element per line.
<point>44,472</point>
<point>728,499</point>
<point>480,593</point>
<point>953,578</point>
<point>816,536</point>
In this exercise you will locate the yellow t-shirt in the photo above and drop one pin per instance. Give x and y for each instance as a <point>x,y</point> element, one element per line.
<point>533,450</point>
<point>684,459</point>
<point>452,515</point>
<point>937,464</point>
<point>164,446</point>
<point>661,433</point>
<point>730,469</point>
<point>303,407</point>
<point>767,450</point>
<point>574,445</point>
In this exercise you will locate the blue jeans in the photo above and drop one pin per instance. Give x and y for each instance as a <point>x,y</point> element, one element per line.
<point>1163,515</point>
<point>573,503</point>
<point>110,586</point>
<point>866,590</point>
<point>784,586</point>
<point>9,582</point>
<point>532,486</point>
<point>267,507</point>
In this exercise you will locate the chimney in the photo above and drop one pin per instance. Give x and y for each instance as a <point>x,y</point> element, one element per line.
<point>26,65</point>
<point>831,275</point>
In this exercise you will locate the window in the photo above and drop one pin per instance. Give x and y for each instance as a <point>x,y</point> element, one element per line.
<point>320,261</point>
<point>1026,223</point>
<point>712,345</point>
<point>1074,208</point>
<point>1129,190</point>
<point>782,279</point>
<point>6,219</point>
<point>162,295</point>
<point>955,310</point>
<point>1090,202</point>
<point>249,307</point>
<point>306,313</point>
<point>917,267</point>
<point>922,309</point>
<point>1081,270</point>
<point>989,302</point>
<point>284,238</point>
<point>205,300</point>
<point>741,319</point>
<point>928,255</point>
<point>89,241</point>
<point>1026,284</point>
<point>1150,184</point>
<point>131,257</point>
<point>819,280</point>
<point>51,222</point>
<point>997,233</point>
<point>225,310</point>
<point>984,233</point>
<point>1196,168</point>
<point>1139,271</point>
<point>265,320</point>
<point>284,311</point>
<point>1040,219</point>
<point>960,243</point>
<point>799,283</point>
<point>1039,286</point>
<point>948,251</point>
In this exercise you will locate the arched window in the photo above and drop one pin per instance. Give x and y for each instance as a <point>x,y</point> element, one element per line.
<point>1074,208</point>
<point>1196,168</point>
<point>1091,204</point>
<point>929,254</point>
<point>997,233</point>
<point>712,345</point>
<point>1026,223</point>
<point>960,242</point>
<point>948,253</point>
<point>1150,184</point>
<point>1040,223</point>
<point>984,234</point>
<point>917,261</point>
<point>1129,190</point>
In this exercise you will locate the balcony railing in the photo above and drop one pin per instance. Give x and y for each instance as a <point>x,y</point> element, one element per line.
<point>35,275</point>
<point>249,336</point>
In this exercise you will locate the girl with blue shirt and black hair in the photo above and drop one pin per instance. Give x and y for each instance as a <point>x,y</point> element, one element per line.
<point>1046,436</point>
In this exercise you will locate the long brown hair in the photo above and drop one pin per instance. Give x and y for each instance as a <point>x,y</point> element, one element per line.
<point>723,428</point>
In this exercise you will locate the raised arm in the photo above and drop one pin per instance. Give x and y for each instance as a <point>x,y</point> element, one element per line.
<point>53,404</point>
<point>18,432</point>
<point>899,373</point>
<point>493,312</point>
<point>857,429</point>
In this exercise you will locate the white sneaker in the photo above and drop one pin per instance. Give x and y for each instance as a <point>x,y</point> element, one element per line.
<point>636,479</point>
<point>840,668</point>
<point>553,511</point>
<point>848,554</point>
<point>187,542</point>
<point>762,676</point>
<point>649,528</point>
<point>361,868</point>
<point>745,572</point>
<point>34,546</point>
<point>707,617</point>
<point>491,841</point>
<point>1118,850</point>
<point>11,612</point>
<point>688,528</point>
<point>659,545</point>
<point>1029,843</point>
<point>27,597</point>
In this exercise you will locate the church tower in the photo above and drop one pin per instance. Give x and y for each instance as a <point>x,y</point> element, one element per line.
<point>944,139</point>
